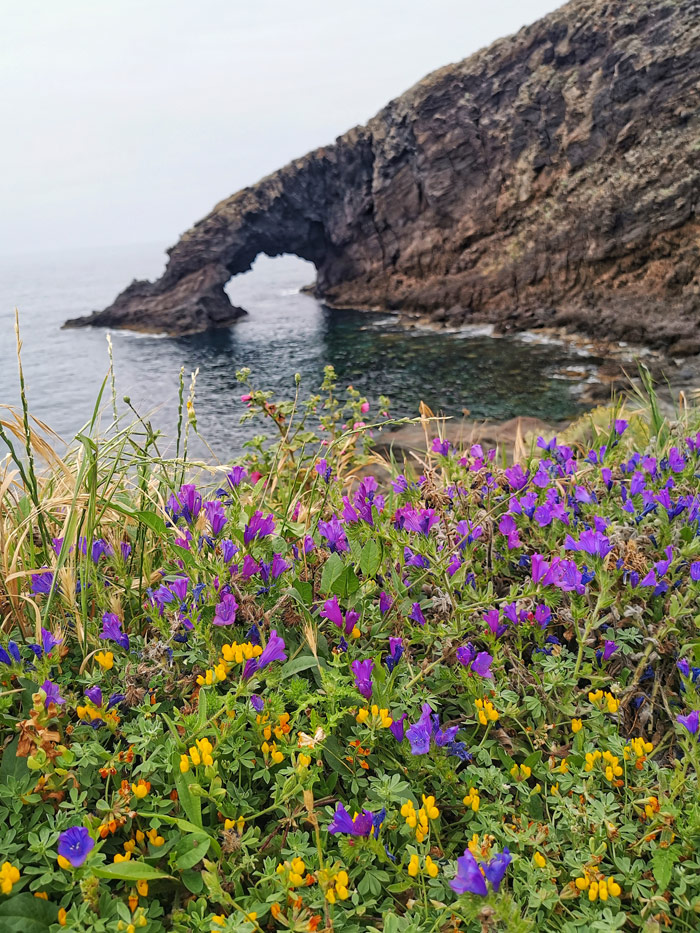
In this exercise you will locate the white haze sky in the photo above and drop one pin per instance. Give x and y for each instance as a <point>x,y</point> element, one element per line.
<point>125,121</point>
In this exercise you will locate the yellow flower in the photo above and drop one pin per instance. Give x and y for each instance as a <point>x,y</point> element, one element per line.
<point>62,914</point>
<point>141,789</point>
<point>472,800</point>
<point>431,810</point>
<point>303,760</point>
<point>184,764</point>
<point>539,859</point>
<point>142,888</point>
<point>42,894</point>
<point>219,920</point>
<point>105,659</point>
<point>64,863</point>
<point>9,875</point>
<point>431,867</point>
<point>195,756</point>
<point>576,725</point>
<point>413,866</point>
<point>154,838</point>
<point>238,824</point>
<point>362,715</point>
<point>486,711</point>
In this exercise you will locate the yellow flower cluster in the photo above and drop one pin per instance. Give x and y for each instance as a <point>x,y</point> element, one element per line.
<point>472,799</point>
<point>380,717</point>
<point>153,837</point>
<point>486,711</point>
<point>609,762</point>
<point>520,772</point>
<point>219,920</point>
<point>238,825</point>
<point>418,820</point>
<point>230,655</point>
<point>270,748</point>
<point>651,807</point>
<point>199,754</point>
<point>338,888</point>
<point>481,847</point>
<point>414,868</point>
<point>280,730</point>
<point>604,701</point>
<point>141,789</point>
<point>9,875</point>
<point>294,871</point>
<point>598,886</point>
<point>640,749</point>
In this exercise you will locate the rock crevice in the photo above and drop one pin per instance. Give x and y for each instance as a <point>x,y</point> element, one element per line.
<point>550,179</point>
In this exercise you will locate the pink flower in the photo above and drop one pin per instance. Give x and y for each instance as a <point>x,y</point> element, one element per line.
<point>364,408</point>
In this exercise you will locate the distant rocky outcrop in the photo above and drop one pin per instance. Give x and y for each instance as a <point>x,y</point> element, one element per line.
<point>550,179</point>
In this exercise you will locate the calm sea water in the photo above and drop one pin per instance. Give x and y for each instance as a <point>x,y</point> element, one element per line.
<point>286,332</point>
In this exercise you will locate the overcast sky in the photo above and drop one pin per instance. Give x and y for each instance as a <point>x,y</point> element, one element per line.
<point>124,121</point>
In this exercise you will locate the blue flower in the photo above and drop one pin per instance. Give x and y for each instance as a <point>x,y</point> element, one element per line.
<point>75,845</point>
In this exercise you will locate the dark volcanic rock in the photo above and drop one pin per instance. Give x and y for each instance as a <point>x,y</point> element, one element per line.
<point>551,179</point>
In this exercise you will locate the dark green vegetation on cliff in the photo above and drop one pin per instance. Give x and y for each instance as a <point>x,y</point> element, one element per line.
<point>551,178</point>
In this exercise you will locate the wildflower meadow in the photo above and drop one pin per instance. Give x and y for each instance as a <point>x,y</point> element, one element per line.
<point>320,689</point>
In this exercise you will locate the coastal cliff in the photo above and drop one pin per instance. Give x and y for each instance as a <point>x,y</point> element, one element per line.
<point>552,179</point>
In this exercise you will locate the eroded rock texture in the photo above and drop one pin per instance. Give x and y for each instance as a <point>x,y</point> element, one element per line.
<point>552,178</point>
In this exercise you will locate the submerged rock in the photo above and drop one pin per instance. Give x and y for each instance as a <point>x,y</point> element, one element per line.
<point>549,180</point>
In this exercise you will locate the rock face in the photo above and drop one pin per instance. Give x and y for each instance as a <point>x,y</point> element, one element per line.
<point>550,179</point>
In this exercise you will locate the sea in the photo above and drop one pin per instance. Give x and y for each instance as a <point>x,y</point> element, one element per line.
<point>466,371</point>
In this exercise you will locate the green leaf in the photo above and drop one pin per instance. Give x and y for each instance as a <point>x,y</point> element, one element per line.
<point>184,825</point>
<point>129,871</point>
<point>152,521</point>
<point>332,569</point>
<point>305,592</point>
<point>371,558</point>
<point>193,881</point>
<point>662,862</point>
<point>297,665</point>
<point>346,584</point>
<point>25,913</point>
<point>11,764</point>
<point>191,850</point>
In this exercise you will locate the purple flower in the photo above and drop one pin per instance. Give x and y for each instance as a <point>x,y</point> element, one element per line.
<point>112,630</point>
<point>274,650</point>
<point>478,663</point>
<point>125,549</point>
<point>591,542</point>
<point>334,533</point>
<point>417,614</point>
<point>395,653</point>
<point>52,694</point>
<point>332,611</point>
<point>609,650</point>
<point>259,526</point>
<point>420,733</point>
<point>397,728</point>
<point>419,521</point>
<point>440,446</point>
<point>386,602</point>
<point>187,503</point>
<point>361,825</point>
<point>691,721</point>
<point>415,560</point>
<point>257,703</point>
<point>216,516</point>
<point>492,619</point>
<point>94,695</point>
<point>362,672</point>
<point>10,656</point>
<point>695,570</point>
<point>620,426</point>
<point>324,470</point>
<point>225,613</point>
<point>468,878</point>
<point>400,484</point>
<point>516,477</point>
<point>496,868</point>
<point>236,476</point>
<point>42,582</point>
<point>75,845</point>
<point>683,666</point>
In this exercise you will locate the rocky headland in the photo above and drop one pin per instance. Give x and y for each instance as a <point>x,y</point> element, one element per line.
<point>550,180</point>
